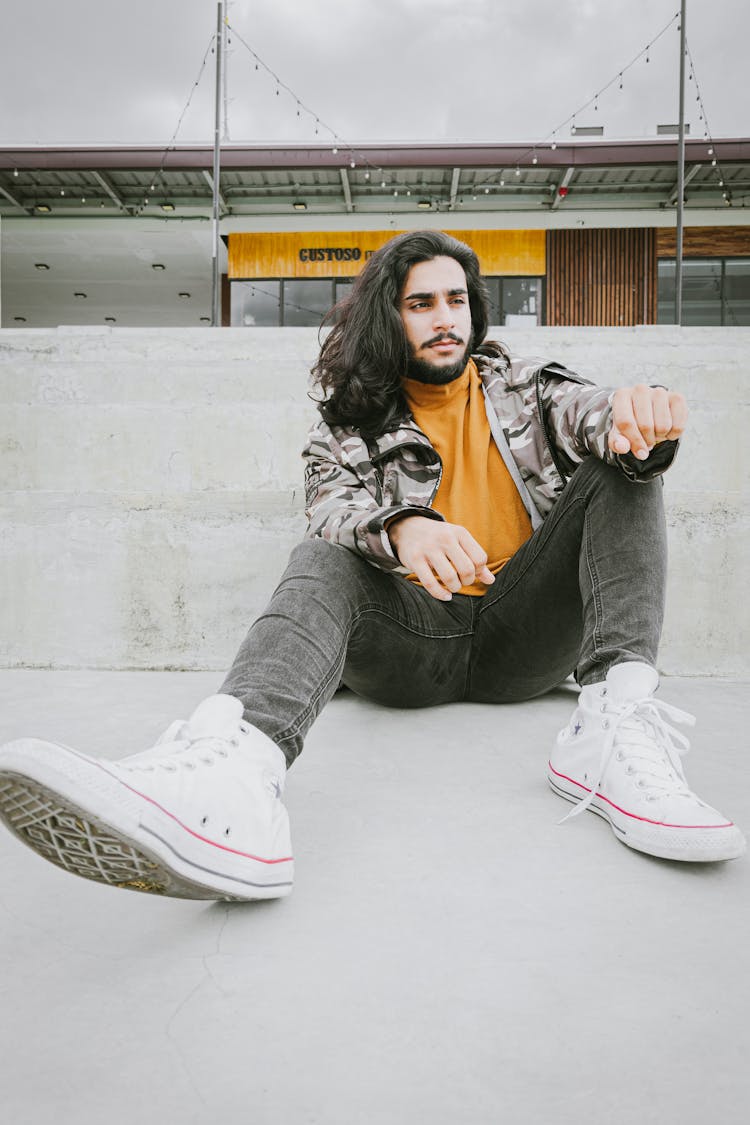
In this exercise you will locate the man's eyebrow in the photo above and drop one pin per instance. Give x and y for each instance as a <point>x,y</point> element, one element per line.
<point>430,296</point>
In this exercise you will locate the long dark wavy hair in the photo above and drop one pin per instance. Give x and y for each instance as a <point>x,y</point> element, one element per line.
<point>366,354</point>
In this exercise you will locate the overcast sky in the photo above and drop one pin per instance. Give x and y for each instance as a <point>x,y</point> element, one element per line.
<point>78,72</point>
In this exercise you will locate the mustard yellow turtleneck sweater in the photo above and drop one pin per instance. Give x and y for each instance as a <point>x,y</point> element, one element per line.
<point>476,490</point>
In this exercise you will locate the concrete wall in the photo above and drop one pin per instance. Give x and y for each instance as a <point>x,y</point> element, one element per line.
<point>151,486</point>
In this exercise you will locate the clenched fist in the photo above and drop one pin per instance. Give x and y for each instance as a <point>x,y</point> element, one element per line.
<point>643,416</point>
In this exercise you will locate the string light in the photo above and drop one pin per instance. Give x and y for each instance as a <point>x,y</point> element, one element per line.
<point>170,145</point>
<point>703,116</point>
<point>594,100</point>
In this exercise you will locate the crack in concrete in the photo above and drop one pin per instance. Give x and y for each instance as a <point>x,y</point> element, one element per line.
<point>207,975</point>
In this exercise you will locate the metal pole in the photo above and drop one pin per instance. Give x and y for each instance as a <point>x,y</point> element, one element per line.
<point>225,57</point>
<point>680,174</point>
<point>215,287</point>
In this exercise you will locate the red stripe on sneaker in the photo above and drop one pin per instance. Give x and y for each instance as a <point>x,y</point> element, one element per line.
<point>634,816</point>
<point>176,819</point>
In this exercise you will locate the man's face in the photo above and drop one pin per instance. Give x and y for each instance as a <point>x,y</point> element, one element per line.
<point>434,309</point>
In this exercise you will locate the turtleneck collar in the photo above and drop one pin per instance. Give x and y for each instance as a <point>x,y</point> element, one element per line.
<point>431,396</point>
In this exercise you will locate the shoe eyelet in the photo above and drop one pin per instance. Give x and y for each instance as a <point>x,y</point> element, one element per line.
<point>603,708</point>
<point>619,756</point>
<point>234,742</point>
<point>204,820</point>
<point>605,724</point>
<point>629,771</point>
<point>227,831</point>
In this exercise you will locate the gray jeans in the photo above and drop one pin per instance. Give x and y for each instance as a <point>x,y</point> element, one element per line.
<point>585,592</point>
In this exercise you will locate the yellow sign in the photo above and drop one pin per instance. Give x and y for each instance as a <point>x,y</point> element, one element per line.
<point>344,253</point>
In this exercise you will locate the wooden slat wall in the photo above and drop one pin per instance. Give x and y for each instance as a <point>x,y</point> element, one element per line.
<point>704,242</point>
<point>601,277</point>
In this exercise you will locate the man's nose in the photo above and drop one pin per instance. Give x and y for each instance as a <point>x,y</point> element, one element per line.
<point>444,316</point>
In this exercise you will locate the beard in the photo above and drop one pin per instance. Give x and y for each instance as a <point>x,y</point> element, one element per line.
<point>437,374</point>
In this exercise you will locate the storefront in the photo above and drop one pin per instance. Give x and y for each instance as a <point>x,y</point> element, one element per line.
<point>286,279</point>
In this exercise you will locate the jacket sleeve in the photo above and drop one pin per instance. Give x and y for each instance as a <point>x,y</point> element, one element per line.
<point>340,507</point>
<point>578,418</point>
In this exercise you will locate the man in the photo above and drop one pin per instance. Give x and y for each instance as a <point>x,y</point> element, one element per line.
<point>479,527</point>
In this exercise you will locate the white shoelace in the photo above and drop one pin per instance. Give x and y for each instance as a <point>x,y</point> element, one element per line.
<point>645,735</point>
<point>177,736</point>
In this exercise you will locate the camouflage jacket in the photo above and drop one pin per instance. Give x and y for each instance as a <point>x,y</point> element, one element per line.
<point>551,419</point>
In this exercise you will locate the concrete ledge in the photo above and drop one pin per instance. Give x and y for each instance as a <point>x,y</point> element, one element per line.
<point>152,486</point>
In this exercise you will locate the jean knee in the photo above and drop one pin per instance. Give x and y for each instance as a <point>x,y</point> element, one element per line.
<point>322,559</point>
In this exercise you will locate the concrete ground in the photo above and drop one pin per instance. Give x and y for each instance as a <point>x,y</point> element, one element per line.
<point>449,954</point>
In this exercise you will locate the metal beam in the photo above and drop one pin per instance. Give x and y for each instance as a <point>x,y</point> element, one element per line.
<point>103,182</point>
<point>569,173</point>
<point>14,201</point>
<point>345,187</point>
<point>210,181</point>
<point>454,188</point>
<point>672,197</point>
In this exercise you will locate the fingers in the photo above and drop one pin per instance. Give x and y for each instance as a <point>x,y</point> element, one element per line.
<point>644,416</point>
<point>444,557</point>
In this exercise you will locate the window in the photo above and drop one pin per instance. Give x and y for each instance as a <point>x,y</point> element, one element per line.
<point>737,291</point>
<point>256,303</point>
<point>715,291</point>
<point>303,302</point>
<point>514,300</point>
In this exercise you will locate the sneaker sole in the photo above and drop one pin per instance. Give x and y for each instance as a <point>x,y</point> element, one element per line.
<point>42,815</point>
<point>663,841</point>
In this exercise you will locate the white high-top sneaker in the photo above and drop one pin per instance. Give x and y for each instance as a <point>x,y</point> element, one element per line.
<point>197,816</point>
<point>618,757</point>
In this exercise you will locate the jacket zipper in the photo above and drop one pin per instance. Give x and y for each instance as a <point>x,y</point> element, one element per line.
<point>550,448</point>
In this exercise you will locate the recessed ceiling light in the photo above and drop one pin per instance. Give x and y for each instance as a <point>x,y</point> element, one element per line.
<point>84,295</point>
<point>110,319</point>
<point>158,266</point>
<point>299,205</point>
<point>167,206</point>
<point>183,294</point>
<point>41,266</point>
<point>42,208</point>
<point>424,204</point>
<point>205,320</point>
<point>20,319</point>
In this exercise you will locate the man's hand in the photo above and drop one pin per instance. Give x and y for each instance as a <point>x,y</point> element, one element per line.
<point>643,416</point>
<point>443,556</point>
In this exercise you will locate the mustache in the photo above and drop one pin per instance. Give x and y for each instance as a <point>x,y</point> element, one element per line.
<point>443,336</point>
